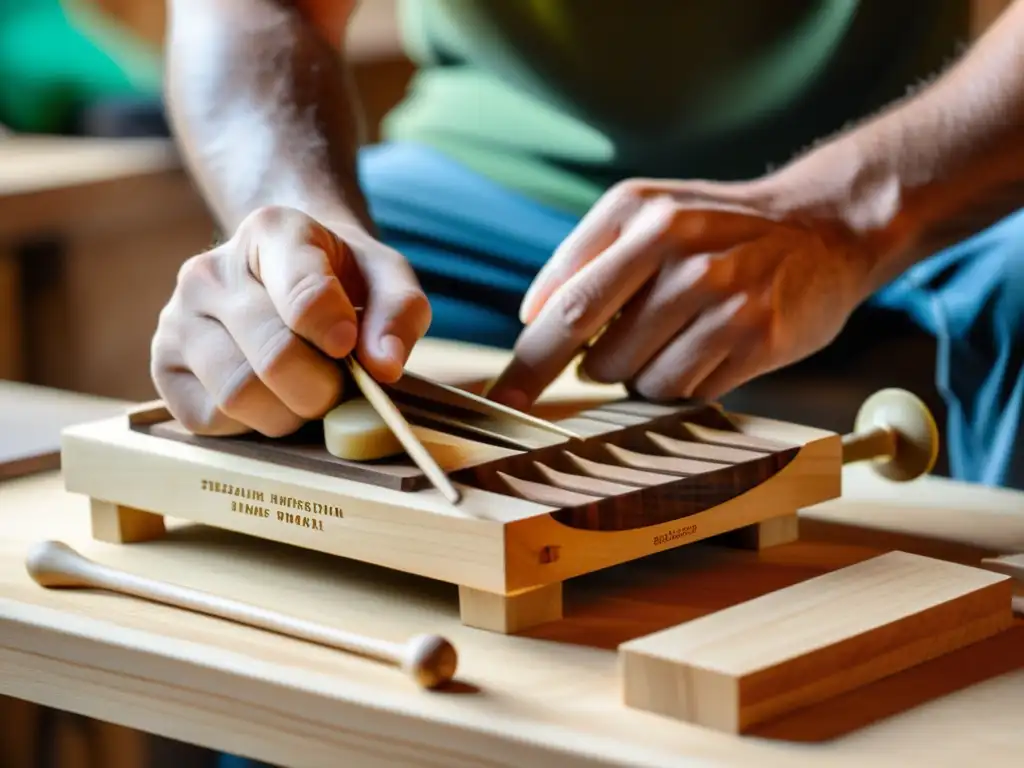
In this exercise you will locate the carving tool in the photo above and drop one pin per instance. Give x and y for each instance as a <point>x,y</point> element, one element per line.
<point>430,660</point>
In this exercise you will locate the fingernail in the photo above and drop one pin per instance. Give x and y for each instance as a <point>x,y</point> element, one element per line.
<point>393,350</point>
<point>526,308</point>
<point>341,338</point>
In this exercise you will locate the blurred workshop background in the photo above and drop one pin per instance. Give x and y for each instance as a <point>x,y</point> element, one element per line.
<point>93,200</point>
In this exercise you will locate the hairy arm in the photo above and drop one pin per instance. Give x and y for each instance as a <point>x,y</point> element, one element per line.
<point>261,103</point>
<point>938,166</point>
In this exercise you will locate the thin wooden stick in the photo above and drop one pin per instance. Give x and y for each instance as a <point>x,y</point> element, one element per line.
<point>396,421</point>
<point>443,394</point>
<point>874,444</point>
<point>896,432</point>
<point>429,659</point>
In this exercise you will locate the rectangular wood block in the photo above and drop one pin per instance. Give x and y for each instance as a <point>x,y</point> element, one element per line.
<point>811,641</point>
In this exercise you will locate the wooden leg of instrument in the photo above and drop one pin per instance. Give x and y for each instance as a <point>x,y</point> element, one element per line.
<point>123,525</point>
<point>509,614</point>
<point>769,533</point>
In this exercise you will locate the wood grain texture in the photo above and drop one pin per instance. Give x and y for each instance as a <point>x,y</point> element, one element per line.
<point>304,449</point>
<point>933,509</point>
<point>31,421</point>
<point>510,614</point>
<point>770,533</point>
<point>653,443</point>
<point>550,698</point>
<point>803,644</point>
<point>1010,565</point>
<point>117,524</point>
<point>492,541</point>
<point>430,660</point>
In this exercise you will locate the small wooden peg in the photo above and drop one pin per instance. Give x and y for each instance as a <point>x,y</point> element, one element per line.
<point>430,660</point>
<point>896,432</point>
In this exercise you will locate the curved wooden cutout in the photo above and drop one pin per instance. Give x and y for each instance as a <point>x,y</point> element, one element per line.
<point>676,499</point>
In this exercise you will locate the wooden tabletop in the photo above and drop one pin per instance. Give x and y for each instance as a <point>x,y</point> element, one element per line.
<point>550,697</point>
<point>31,419</point>
<point>58,185</point>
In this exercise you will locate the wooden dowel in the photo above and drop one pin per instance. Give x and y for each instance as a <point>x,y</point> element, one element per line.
<point>403,431</point>
<point>895,430</point>
<point>444,394</point>
<point>429,659</point>
<point>876,443</point>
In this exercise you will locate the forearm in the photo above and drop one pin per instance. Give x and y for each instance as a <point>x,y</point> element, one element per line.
<point>943,164</point>
<point>263,110</point>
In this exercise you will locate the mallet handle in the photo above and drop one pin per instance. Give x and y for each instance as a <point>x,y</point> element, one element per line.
<point>860,446</point>
<point>429,659</point>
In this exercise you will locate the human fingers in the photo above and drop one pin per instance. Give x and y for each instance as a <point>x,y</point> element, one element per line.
<point>301,264</point>
<point>588,299</point>
<point>207,382</point>
<point>397,312</point>
<point>230,381</point>
<point>597,230</point>
<point>744,362</point>
<point>222,328</point>
<point>582,306</point>
<point>683,364</point>
<point>724,214</point>
<point>666,305</point>
<point>183,393</point>
<point>299,377</point>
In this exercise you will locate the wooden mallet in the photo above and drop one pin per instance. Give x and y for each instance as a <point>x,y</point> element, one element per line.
<point>429,659</point>
<point>897,433</point>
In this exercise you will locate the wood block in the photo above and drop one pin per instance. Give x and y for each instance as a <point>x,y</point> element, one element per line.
<point>795,647</point>
<point>31,421</point>
<point>115,524</point>
<point>512,613</point>
<point>527,518</point>
<point>1011,565</point>
<point>773,532</point>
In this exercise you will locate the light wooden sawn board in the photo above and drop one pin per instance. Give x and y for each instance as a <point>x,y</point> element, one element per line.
<point>750,663</point>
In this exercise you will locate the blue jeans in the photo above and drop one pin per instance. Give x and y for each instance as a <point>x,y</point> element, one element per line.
<point>476,247</point>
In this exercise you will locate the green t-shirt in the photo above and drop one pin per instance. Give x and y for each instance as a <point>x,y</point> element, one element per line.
<point>559,99</point>
<point>57,56</point>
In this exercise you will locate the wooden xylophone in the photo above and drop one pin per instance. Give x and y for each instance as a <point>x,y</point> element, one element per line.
<point>507,506</point>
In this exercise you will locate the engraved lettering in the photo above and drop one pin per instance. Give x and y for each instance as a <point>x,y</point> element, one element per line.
<point>674,534</point>
<point>249,509</point>
<point>314,509</point>
<point>228,489</point>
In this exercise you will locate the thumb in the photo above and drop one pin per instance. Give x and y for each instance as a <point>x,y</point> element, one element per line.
<point>302,265</point>
<point>396,314</point>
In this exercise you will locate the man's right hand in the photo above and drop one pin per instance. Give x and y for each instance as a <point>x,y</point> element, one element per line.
<point>250,337</point>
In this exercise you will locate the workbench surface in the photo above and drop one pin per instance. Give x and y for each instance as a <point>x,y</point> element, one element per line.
<point>549,697</point>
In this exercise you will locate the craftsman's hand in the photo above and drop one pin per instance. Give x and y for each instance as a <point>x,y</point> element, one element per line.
<point>699,287</point>
<point>251,335</point>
